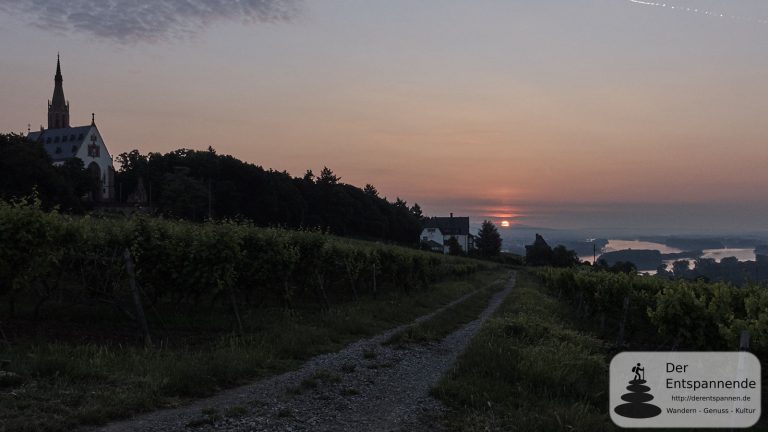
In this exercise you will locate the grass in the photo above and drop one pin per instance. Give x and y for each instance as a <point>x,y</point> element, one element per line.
<point>448,320</point>
<point>70,383</point>
<point>532,367</point>
<point>528,369</point>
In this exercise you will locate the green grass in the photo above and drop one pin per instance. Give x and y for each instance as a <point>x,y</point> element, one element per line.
<point>528,370</point>
<point>64,385</point>
<point>448,320</point>
<point>534,366</point>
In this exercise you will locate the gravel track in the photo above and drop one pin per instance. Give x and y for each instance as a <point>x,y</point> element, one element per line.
<point>363,387</point>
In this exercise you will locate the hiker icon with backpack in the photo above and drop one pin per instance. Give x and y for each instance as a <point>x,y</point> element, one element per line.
<point>639,372</point>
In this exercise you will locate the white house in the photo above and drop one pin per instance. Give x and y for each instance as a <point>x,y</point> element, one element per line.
<point>63,142</point>
<point>437,231</point>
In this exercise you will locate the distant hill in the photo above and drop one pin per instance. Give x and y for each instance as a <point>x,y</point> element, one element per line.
<point>642,259</point>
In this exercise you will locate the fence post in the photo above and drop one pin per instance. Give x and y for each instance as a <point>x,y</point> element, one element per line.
<point>140,317</point>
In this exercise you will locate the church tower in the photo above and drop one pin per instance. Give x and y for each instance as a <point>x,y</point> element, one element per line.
<point>58,107</point>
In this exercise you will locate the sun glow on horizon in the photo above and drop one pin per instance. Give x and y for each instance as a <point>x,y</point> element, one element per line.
<point>505,224</point>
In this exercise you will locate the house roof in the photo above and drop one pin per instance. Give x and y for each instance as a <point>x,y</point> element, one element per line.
<point>449,225</point>
<point>62,143</point>
<point>434,245</point>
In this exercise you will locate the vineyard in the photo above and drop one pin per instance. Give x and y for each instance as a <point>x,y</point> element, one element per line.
<point>104,318</point>
<point>129,263</point>
<point>541,363</point>
<point>647,313</point>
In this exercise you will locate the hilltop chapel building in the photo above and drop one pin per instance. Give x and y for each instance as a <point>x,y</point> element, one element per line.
<point>63,142</point>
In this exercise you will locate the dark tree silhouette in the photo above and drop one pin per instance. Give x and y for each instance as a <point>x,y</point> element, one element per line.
<point>26,168</point>
<point>454,248</point>
<point>179,182</point>
<point>370,190</point>
<point>563,257</point>
<point>416,211</point>
<point>327,177</point>
<point>488,240</point>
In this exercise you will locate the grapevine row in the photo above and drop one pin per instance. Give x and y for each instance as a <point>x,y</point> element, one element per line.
<point>687,315</point>
<point>44,254</point>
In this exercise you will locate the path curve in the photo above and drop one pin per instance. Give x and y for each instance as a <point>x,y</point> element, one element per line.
<point>368,387</point>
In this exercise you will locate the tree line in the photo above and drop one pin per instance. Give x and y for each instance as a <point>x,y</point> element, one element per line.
<point>199,185</point>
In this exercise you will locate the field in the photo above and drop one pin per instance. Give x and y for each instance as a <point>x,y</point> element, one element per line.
<point>541,363</point>
<point>106,318</point>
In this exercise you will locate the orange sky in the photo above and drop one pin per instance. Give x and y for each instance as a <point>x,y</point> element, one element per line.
<point>481,108</point>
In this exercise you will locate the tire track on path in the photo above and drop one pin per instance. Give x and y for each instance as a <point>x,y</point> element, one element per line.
<point>365,386</point>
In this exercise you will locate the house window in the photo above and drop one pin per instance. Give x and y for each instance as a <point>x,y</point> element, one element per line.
<point>425,238</point>
<point>58,150</point>
<point>94,150</point>
<point>430,230</point>
<point>72,137</point>
<point>80,137</point>
<point>64,138</point>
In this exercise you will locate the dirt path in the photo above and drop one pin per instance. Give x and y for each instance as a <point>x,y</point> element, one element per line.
<point>364,387</point>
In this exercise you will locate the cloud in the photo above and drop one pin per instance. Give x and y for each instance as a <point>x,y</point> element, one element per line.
<point>132,21</point>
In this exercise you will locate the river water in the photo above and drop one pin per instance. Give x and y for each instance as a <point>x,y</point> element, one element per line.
<point>614,245</point>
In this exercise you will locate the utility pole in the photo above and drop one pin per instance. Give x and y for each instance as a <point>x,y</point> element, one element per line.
<point>594,253</point>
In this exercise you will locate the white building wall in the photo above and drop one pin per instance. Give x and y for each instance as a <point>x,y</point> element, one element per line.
<point>104,160</point>
<point>437,236</point>
<point>433,234</point>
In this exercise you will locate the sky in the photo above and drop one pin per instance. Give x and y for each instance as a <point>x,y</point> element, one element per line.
<point>643,116</point>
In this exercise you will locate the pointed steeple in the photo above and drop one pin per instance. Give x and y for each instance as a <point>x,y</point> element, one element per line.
<point>58,107</point>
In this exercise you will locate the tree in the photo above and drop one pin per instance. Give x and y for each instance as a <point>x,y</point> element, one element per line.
<point>184,197</point>
<point>266,197</point>
<point>416,211</point>
<point>370,190</point>
<point>488,240</point>
<point>26,169</point>
<point>623,267</point>
<point>327,177</point>
<point>563,257</point>
<point>454,248</point>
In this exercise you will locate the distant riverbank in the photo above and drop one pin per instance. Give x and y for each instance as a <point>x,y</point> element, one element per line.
<point>647,255</point>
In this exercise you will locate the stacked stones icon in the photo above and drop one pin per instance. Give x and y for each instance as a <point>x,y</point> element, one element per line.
<point>638,398</point>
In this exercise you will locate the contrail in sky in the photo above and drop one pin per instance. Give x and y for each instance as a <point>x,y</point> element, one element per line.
<point>699,11</point>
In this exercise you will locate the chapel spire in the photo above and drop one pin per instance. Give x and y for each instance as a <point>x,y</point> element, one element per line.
<point>58,107</point>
